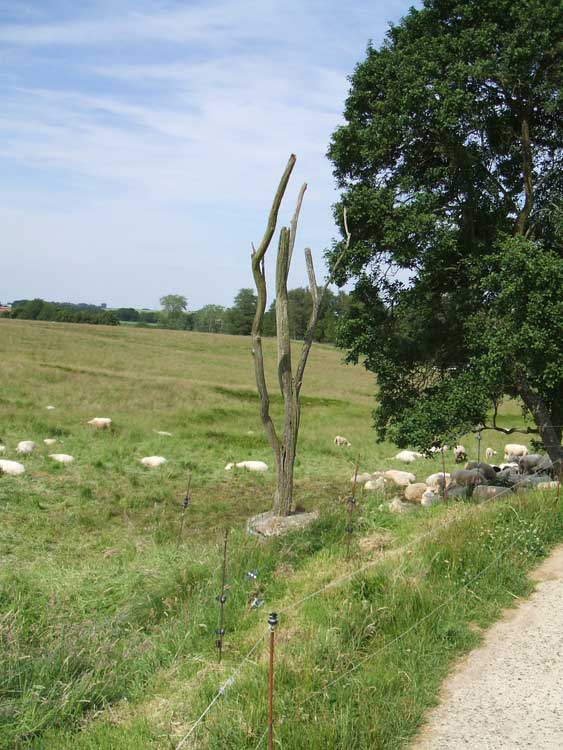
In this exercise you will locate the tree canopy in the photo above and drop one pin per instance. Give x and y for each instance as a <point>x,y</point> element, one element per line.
<point>450,165</point>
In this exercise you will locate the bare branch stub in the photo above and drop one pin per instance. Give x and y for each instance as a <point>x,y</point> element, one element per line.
<point>317,297</point>
<point>295,219</point>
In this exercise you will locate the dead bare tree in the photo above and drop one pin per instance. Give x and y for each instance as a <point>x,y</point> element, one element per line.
<point>284,446</point>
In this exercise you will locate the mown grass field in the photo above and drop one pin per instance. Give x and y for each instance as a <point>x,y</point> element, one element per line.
<point>107,618</point>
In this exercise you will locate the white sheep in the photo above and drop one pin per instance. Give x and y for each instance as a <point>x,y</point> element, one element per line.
<point>61,458</point>
<point>50,441</point>
<point>514,449</point>
<point>435,481</point>
<point>375,485</point>
<point>2,448</point>
<point>430,498</point>
<point>25,447</point>
<point>153,461</point>
<point>361,478</point>
<point>408,457</point>
<point>489,453</point>
<point>248,465</point>
<point>399,478</point>
<point>162,432</point>
<point>340,440</point>
<point>11,467</point>
<point>414,492</point>
<point>50,407</point>
<point>460,454</point>
<point>101,423</point>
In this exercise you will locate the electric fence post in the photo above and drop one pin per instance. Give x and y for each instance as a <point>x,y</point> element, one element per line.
<point>478,439</point>
<point>185,505</point>
<point>445,489</point>
<point>350,505</point>
<point>272,623</point>
<point>222,598</point>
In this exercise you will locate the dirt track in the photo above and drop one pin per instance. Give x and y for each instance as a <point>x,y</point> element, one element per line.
<point>508,693</point>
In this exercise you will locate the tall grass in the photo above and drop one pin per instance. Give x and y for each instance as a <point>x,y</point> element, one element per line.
<point>107,627</point>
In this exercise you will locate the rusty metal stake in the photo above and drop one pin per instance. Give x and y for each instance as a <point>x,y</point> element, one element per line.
<point>272,623</point>
<point>222,598</point>
<point>185,504</point>
<point>350,505</point>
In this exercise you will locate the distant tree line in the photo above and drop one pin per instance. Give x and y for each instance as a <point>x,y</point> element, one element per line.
<point>235,320</point>
<point>238,318</point>
<point>62,312</point>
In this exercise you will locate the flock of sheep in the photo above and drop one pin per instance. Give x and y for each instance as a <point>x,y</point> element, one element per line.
<point>478,479</point>
<point>26,447</point>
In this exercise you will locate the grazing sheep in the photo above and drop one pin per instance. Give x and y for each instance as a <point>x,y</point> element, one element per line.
<point>340,440</point>
<point>514,449</point>
<point>415,492</point>
<point>467,478</point>
<point>408,457</point>
<point>61,458</point>
<point>510,465</point>
<point>25,447</point>
<point>436,481</point>
<point>361,478</point>
<point>162,432</point>
<point>248,465</point>
<point>101,423</point>
<point>535,463</point>
<point>153,461</point>
<point>486,469</point>
<point>430,498</point>
<point>489,453</point>
<point>460,454</point>
<point>399,478</point>
<point>434,449</point>
<point>375,485</point>
<point>508,477</point>
<point>13,468</point>
<point>50,441</point>
<point>2,448</point>
<point>483,492</point>
<point>547,486</point>
<point>49,408</point>
<point>398,506</point>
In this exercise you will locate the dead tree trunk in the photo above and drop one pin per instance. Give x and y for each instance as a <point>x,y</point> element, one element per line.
<point>285,447</point>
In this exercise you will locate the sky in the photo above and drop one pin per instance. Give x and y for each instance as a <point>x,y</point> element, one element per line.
<point>141,141</point>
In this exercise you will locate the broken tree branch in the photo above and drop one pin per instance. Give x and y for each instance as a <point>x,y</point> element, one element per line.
<point>317,297</point>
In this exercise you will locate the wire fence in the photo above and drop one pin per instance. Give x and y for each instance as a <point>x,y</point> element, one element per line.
<point>339,580</point>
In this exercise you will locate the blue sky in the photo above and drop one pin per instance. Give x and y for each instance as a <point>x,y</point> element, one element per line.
<point>141,142</point>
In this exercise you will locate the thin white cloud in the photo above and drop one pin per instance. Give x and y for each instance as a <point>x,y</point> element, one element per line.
<point>166,154</point>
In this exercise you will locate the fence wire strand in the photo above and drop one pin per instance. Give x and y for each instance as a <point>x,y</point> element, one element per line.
<point>347,576</point>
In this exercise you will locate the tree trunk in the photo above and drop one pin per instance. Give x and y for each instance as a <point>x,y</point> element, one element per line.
<point>550,434</point>
<point>283,496</point>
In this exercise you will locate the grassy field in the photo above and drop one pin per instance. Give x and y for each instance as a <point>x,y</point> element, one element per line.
<point>107,618</point>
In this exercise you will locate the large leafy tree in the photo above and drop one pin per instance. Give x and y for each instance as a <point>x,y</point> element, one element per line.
<point>241,314</point>
<point>450,164</point>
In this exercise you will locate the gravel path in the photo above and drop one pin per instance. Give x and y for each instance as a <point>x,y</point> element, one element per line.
<point>508,693</point>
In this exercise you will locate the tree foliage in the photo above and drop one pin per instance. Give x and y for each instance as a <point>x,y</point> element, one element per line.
<point>62,312</point>
<point>174,313</point>
<point>450,166</point>
<point>241,314</point>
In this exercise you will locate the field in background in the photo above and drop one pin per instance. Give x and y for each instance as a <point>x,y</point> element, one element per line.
<point>107,624</point>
